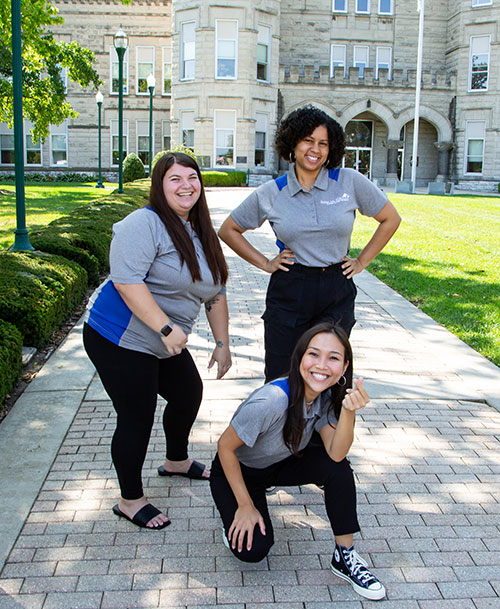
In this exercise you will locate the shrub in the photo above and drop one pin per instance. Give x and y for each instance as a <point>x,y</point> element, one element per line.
<point>37,291</point>
<point>46,177</point>
<point>224,178</point>
<point>133,168</point>
<point>10,357</point>
<point>84,235</point>
<point>181,148</point>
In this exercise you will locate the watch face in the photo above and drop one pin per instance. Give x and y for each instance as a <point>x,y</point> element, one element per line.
<point>166,330</point>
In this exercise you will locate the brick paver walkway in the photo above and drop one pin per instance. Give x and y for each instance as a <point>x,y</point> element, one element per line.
<point>426,456</point>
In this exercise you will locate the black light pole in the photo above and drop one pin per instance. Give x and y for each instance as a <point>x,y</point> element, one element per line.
<point>120,42</point>
<point>21,240</point>
<point>151,87</point>
<point>99,99</point>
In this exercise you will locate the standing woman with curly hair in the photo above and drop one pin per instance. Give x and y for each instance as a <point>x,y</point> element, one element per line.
<point>311,210</point>
<point>165,261</point>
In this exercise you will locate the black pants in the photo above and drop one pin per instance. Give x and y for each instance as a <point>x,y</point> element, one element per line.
<point>133,380</point>
<point>314,467</point>
<point>298,299</point>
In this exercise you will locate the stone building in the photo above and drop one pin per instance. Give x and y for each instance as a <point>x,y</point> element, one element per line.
<point>226,72</point>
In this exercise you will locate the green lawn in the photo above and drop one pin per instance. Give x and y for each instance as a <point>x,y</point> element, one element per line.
<point>44,203</point>
<point>445,258</point>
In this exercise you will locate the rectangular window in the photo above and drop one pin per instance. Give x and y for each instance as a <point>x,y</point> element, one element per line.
<point>481,2</point>
<point>32,151</point>
<point>59,145</point>
<point>474,145</point>
<point>6,145</point>
<point>226,33</point>
<point>362,6</point>
<point>479,63</point>
<point>187,50</point>
<point>142,135</point>
<point>167,71</point>
<point>165,134</point>
<point>114,71</point>
<point>263,52</point>
<point>385,7</point>
<point>225,124</point>
<point>339,6</point>
<point>261,139</point>
<point>361,55</point>
<point>145,65</point>
<point>115,140</point>
<point>384,60</point>
<point>337,58</point>
<point>187,129</point>
<point>63,73</point>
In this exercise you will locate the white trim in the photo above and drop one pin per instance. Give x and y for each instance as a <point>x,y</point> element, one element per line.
<point>225,129</point>
<point>26,132</point>
<point>182,47</point>
<point>4,130</point>
<point>389,73</point>
<point>476,3</point>
<point>367,12</point>
<point>138,135</point>
<point>217,40</point>
<point>481,90</point>
<point>332,67</point>
<point>265,118</point>
<point>366,64</point>
<point>389,12</point>
<point>467,139</point>
<point>152,71</point>
<point>261,27</point>
<point>166,132</point>
<point>186,114</point>
<point>163,63</point>
<point>339,10</point>
<point>59,130</point>
<point>113,134</point>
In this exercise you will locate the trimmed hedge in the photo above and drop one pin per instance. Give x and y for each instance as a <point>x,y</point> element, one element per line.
<point>38,291</point>
<point>133,168</point>
<point>11,343</point>
<point>84,235</point>
<point>224,178</point>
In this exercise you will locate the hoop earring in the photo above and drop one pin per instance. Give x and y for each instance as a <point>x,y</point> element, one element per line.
<point>291,157</point>
<point>340,379</point>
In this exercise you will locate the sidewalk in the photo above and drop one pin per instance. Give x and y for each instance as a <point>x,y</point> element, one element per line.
<point>426,456</point>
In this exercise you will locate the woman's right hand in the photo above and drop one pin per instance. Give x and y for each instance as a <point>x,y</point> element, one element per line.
<point>245,519</point>
<point>285,257</point>
<point>176,341</point>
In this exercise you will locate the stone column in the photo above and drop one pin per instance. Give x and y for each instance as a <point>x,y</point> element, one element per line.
<point>392,158</point>
<point>443,172</point>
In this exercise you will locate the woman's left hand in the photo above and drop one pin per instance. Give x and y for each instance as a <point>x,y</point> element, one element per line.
<point>222,356</point>
<point>356,397</point>
<point>351,267</point>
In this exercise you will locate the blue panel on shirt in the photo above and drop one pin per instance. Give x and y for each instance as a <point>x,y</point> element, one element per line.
<point>333,174</point>
<point>282,384</point>
<point>110,315</point>
<point>281,182</point>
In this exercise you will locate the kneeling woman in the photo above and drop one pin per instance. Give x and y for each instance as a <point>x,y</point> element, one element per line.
<point>268,443</point>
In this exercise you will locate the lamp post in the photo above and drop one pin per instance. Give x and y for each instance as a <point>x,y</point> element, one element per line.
<point>21,240</point>
<point>120,42</point>
<point>99,99</point>
<point>151,87</point>
<point>421,7</point>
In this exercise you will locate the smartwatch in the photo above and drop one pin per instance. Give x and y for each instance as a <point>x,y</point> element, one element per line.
<point>167,328</point>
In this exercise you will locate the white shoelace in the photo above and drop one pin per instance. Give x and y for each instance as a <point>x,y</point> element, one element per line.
<point>358,566</point>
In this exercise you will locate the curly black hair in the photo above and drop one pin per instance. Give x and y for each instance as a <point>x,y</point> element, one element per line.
<point>302,122</point>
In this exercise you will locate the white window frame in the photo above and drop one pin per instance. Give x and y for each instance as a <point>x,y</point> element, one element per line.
<point>378,66</point>
<point>339,10</point>
<point>476,3</point>
<point>216,129</point>
<point>27,127</point>
<point>471,54</point>
<point>139,125</point>
<point>264,38</point>
<point>113,60</point>
<point>186,120</point>
<point>262,126</point>
<point>360,12</point>
<point>468,127</point>
<point>389,12</point>
<point>166,72</point>
<point>113,134</point>
<point>5,131</point>
<point>57,131</point>
<point>218,41</point>
<point>138,63</point>
<point>356,62</point>
<point>184,51</point>
<point>332,67</point>
<point>166,131</point>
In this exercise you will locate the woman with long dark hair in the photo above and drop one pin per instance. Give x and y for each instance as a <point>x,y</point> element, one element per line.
<point>269,443</point>
<point>311,209</point>
<point>165,260</point>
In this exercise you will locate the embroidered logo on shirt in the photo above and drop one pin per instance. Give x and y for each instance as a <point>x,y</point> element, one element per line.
<point>344,197</point>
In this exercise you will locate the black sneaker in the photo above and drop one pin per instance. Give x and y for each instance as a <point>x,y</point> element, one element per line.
<point>348,564</point>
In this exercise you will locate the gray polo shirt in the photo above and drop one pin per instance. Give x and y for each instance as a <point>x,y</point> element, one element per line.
<point>259,423</point>
<point>316,224</point>
<point>142,251</point>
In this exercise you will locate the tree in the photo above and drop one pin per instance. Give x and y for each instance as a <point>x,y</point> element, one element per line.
<point>43,58</point>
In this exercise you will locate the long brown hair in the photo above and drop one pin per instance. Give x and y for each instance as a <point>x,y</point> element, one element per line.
<point>199,217</point>
<point>294,424</point>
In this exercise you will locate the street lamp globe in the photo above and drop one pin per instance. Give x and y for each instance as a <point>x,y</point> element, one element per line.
<point>120,40</point>
<point>99,98</point>
<point>151,80</point>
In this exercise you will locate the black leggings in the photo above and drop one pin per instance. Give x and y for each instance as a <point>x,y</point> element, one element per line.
<point>133,380</point>
<point>313,467</point>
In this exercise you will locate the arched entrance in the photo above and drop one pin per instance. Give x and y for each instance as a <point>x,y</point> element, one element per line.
<point>359,145</point>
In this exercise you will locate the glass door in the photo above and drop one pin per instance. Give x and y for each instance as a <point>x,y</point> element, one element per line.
<point>358,153</point>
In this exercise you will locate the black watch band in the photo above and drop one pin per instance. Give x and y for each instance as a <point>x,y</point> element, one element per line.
<point>167,328</point>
